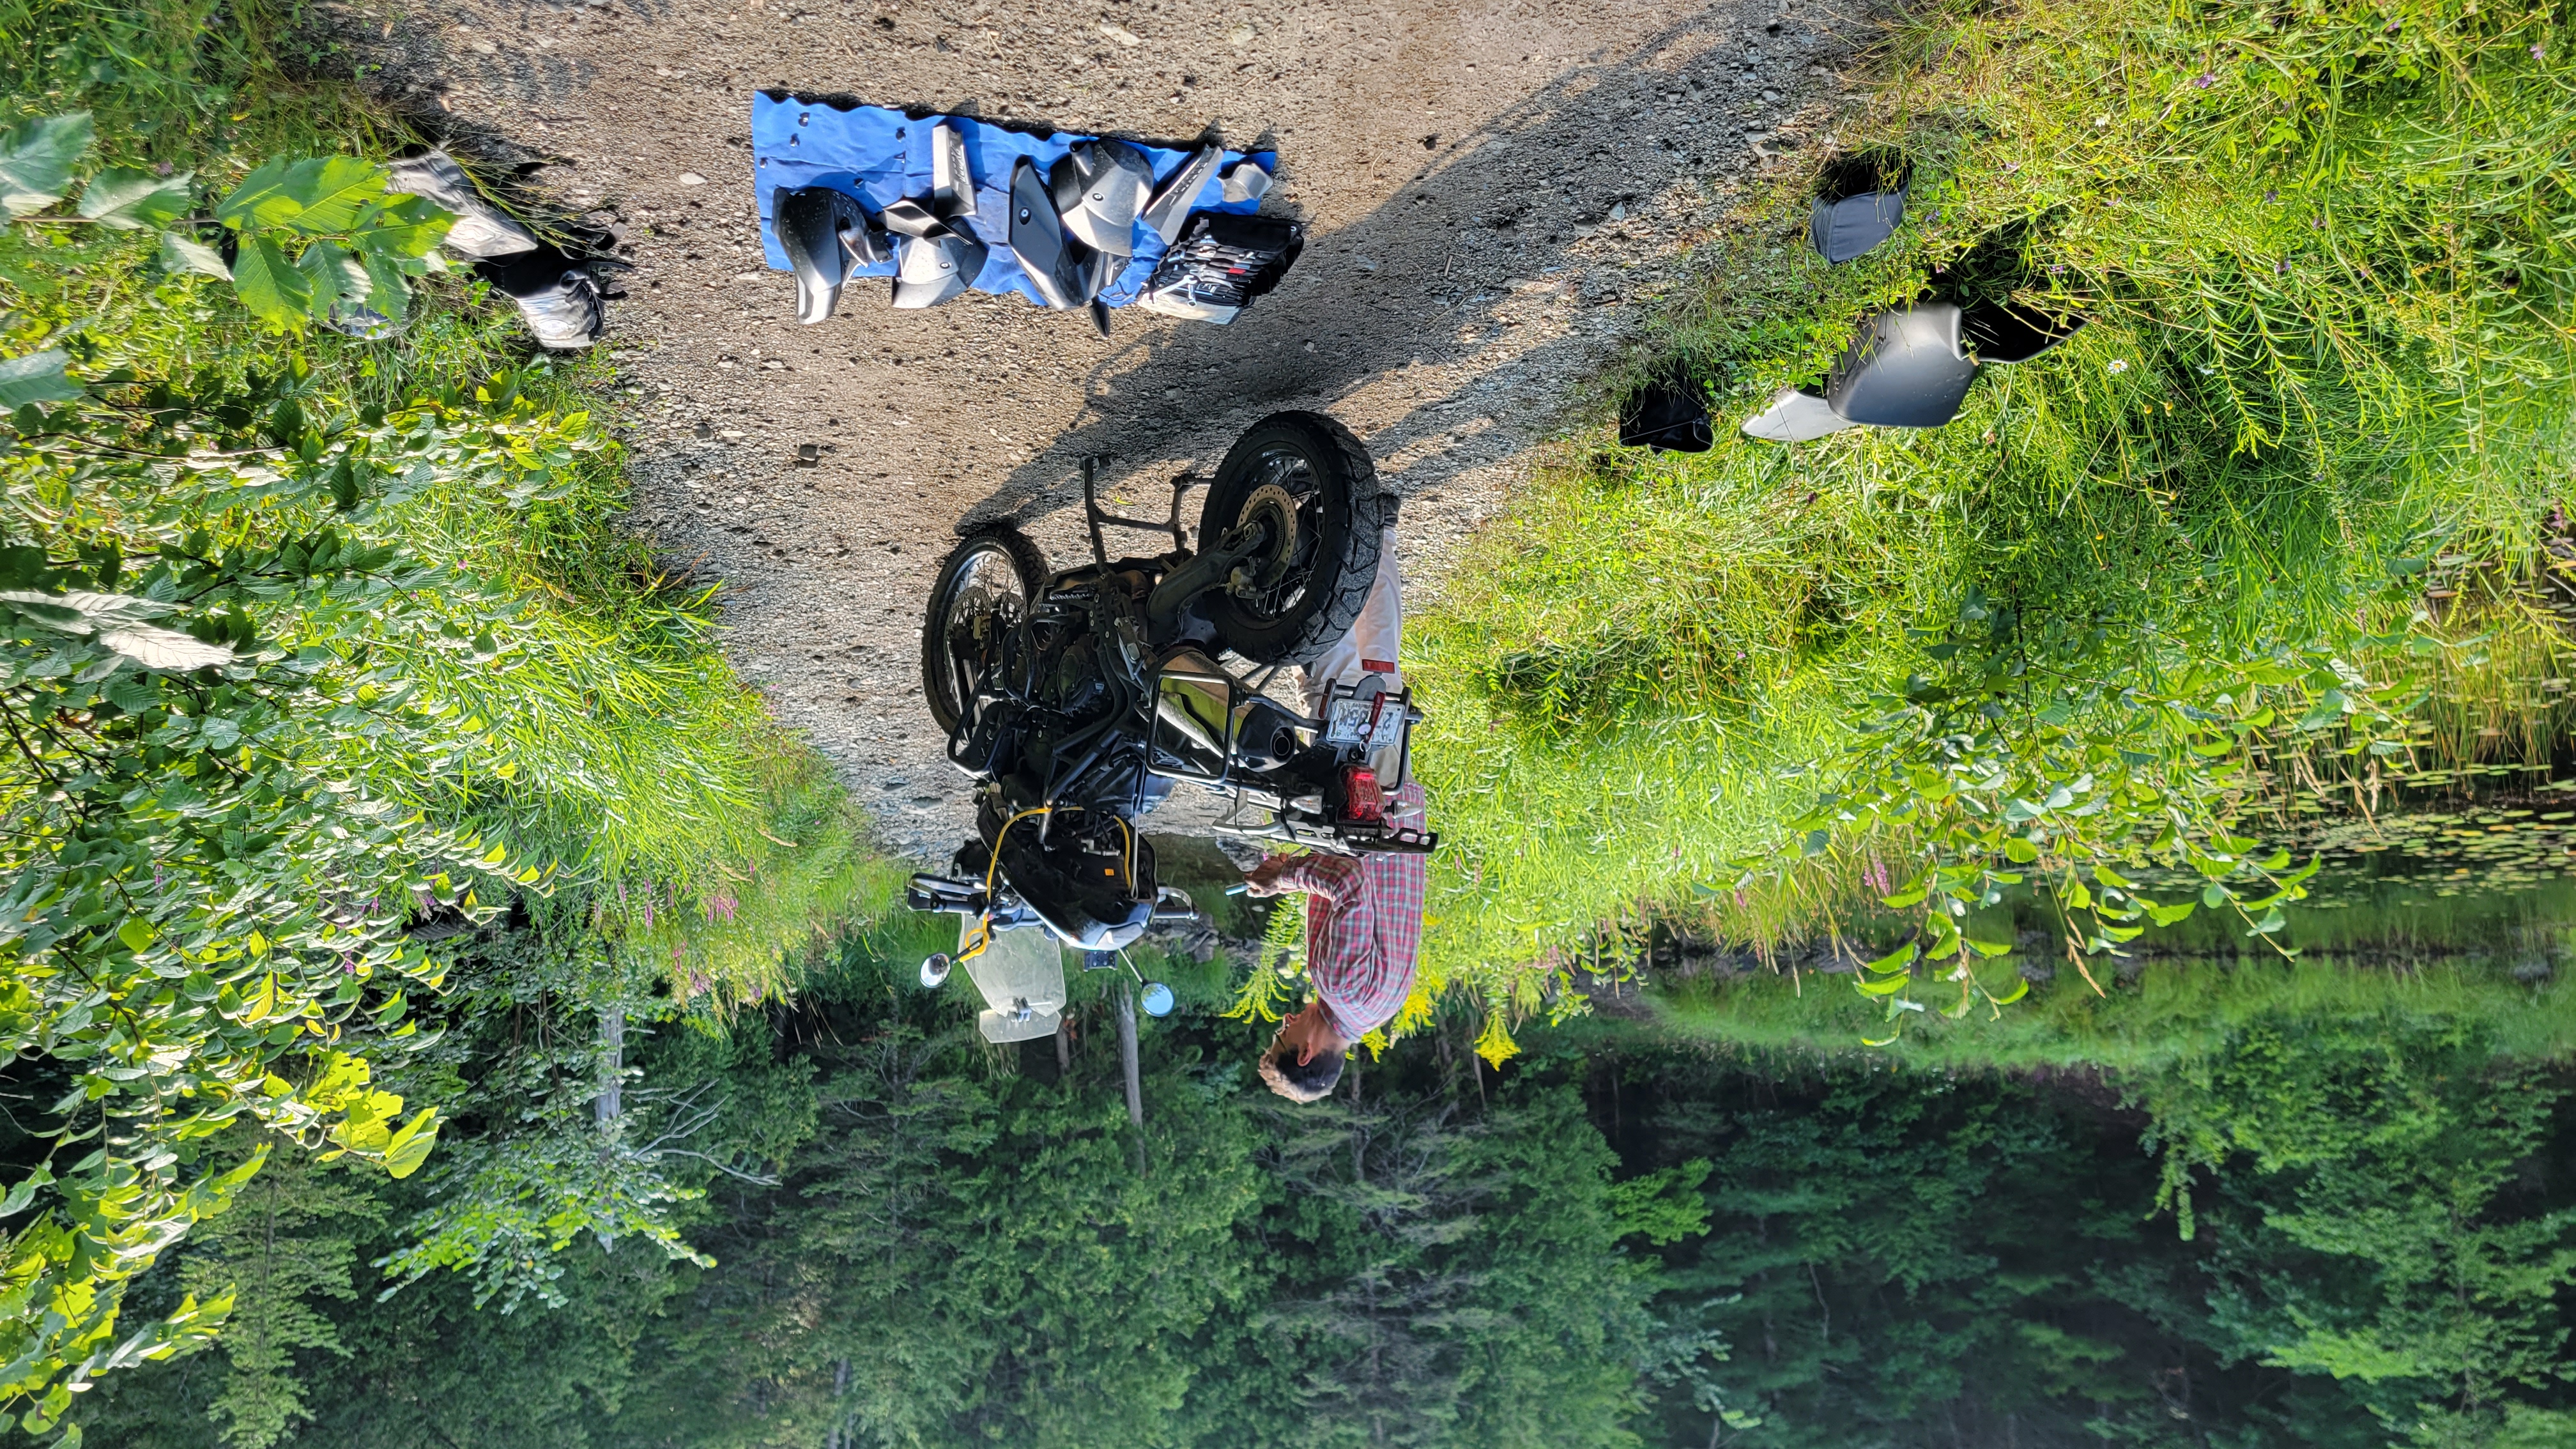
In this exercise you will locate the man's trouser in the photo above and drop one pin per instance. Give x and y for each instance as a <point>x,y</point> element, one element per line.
<point>1375,638</point>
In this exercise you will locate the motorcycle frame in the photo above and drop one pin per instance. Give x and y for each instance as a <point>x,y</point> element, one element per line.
<point>1251,789</point>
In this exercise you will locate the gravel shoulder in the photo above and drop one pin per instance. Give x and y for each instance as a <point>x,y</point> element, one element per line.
<point>1492,195</point>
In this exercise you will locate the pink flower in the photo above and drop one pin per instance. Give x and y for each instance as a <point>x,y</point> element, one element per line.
<point>2204,80</point>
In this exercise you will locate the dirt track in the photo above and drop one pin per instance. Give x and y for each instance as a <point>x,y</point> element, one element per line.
<point>1489,191</point>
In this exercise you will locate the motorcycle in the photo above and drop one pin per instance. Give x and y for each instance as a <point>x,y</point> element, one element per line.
<point>1078,699</point>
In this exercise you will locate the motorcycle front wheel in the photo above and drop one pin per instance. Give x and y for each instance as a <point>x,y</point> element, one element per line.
<point>983,589</point>
<point>1308,488</point>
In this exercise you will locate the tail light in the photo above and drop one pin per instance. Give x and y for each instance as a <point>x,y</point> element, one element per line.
<point>1363,803</point>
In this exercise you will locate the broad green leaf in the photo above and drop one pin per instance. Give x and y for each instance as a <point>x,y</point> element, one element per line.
<point>2021,988</point>
<point>37,158</point>
<point>2171,915</point>
<point>36,378</point>
<point>1901,957</point>
<point>179,254</point>
<point>404,227</point>
<point>2272,921</point>
<point>329,274</point>
<point>1888,987</point>
<point>388,290</point>
<point>1987,948</point>
<point>263,187</point>
<point>410,1146</point>
<point>1913,897</point>
<point>24,1191</point>
<point>154,647</point>
<point>273,290</point>
<point>129,199</point>
<point>136,933</point>
<point>315,197</point>
<point>332,191</point>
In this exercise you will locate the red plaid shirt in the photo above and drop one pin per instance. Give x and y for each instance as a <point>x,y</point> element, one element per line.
<point>1363,926</point>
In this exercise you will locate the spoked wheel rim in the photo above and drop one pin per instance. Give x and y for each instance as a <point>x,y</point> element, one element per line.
<point>984,600</point>
<point>1286,502</point>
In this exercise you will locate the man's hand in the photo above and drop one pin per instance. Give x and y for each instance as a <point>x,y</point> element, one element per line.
<point>1263,879</point>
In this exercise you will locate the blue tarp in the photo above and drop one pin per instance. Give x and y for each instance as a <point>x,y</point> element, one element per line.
<point>880,156</point>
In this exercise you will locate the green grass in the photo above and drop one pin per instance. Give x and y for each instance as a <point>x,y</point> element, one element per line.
<point>2329,295</point>
<point>608,735</point>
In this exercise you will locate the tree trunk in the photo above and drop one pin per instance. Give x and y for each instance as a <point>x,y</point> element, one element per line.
<point>1127,1055</point>
<point>612,1055</point>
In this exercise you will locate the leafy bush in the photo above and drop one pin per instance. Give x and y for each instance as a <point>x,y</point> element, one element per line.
<point>314,654</point>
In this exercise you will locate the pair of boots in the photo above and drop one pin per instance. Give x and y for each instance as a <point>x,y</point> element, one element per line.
<point>556,292</point>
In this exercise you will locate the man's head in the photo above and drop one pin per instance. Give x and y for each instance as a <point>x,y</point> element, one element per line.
<point>1304,1062</point>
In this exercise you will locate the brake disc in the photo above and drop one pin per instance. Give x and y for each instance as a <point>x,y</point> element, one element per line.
<point>1283,504</point>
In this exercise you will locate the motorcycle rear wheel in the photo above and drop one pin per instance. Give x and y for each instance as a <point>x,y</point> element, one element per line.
<point>1311,485</point>
<point>986,586</point>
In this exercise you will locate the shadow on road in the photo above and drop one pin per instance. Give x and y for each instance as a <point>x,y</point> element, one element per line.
<point>1477,247</point>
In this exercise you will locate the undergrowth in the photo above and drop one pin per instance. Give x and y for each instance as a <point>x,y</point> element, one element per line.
<point>606,735</point>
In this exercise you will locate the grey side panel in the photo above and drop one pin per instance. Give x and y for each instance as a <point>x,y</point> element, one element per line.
<point>1039,240</point>
<point>1170,205</point>
<point>1795,417</point>
<point>1904,369</point>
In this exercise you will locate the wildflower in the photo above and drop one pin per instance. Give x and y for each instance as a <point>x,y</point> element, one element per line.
<point>2204,80</point>
<point>2281,266</point>
<point>2119,364</point>
<point>2056,267</point>
<point>2540,52</point>
<point>2271,196</point>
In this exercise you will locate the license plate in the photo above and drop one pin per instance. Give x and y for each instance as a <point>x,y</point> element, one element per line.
<point>1355,721</point>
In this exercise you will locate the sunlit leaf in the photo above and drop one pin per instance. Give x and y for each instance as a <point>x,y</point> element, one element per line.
<point>273,290</point>
<point>409,1147</point>
<point>179,254</point>
<point>154,647</point>
<point>130,199</point>
<point>37,158</point>
<point>36,378</point>
<point>1900,957</point>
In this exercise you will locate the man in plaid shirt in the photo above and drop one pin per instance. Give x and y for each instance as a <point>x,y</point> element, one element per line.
<point>1364,916</point>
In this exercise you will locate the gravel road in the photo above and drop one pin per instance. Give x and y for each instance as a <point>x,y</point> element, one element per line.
<point>1492,192</point>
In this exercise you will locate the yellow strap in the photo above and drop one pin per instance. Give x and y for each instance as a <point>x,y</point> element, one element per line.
<point>992,869</point>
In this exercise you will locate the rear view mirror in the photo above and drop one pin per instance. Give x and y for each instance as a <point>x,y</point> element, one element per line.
<point>1860,201</point>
